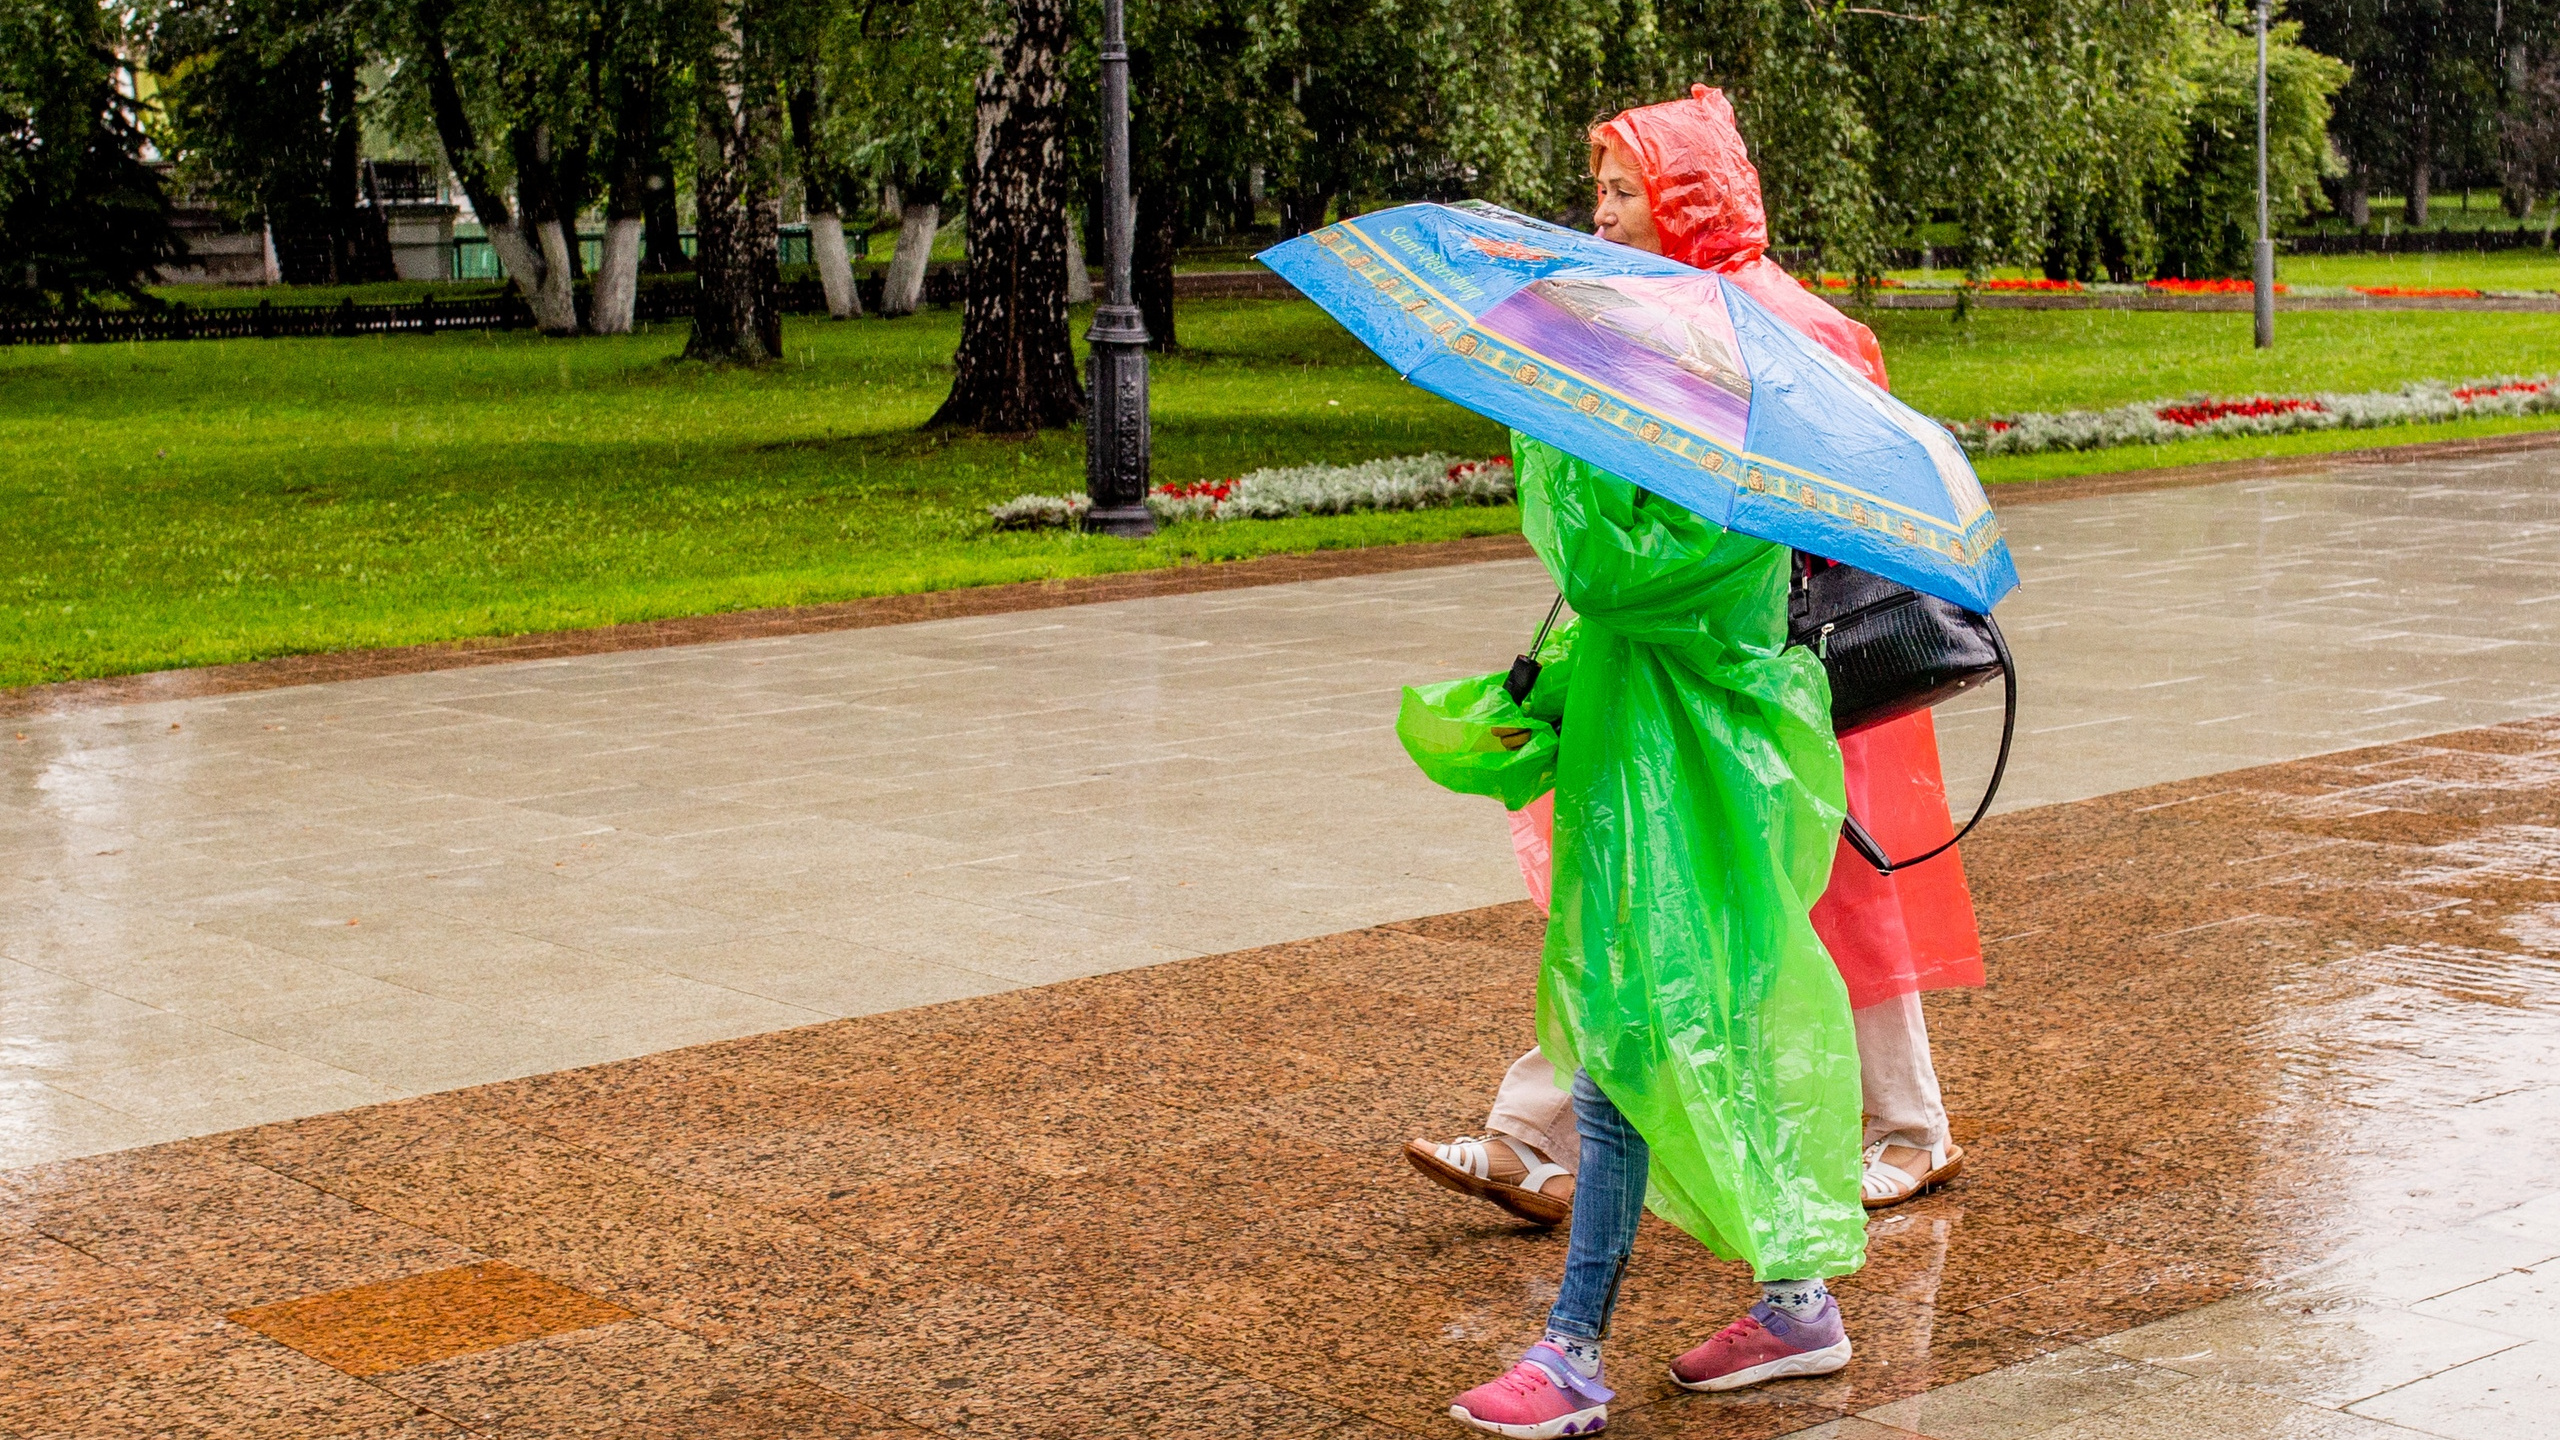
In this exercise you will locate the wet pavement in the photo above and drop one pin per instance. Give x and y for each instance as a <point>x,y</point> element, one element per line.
<point>229,910</point>
<point>2182,632</point>
<point>2257,1101</point>
<point>2257,1097</point>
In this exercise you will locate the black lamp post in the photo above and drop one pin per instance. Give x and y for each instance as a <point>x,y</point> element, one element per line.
<point>2263,258</point>
<point>1115,425</point>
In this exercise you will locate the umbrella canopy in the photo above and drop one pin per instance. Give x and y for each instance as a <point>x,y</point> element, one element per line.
<point>1673,378</point>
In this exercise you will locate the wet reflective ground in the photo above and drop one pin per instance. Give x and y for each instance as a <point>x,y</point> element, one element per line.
<point>225,907</point>
<point>2259,1102</point>
<point>2296,1045</point>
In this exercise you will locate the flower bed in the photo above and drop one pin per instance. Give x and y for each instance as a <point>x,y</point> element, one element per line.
<point>1410,482</point>
<point>2208,287</point>
<point>2038,285</point>
<point>2426,292</point>
<point>2205,412</point>
<point>2159,422</point>
<point>1843,282</point>
<point>1422,482</point>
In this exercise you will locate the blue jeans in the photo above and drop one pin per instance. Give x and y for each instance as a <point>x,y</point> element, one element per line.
<point>1608,1200</point>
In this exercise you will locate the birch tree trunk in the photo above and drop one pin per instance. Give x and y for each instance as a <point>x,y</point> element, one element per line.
<point>520,255</point>
<point>835,265</point>
<point>918,222</point>
<point>818,182</point>
<point>541,224</point>
<point>617,291</point>
<point>737,200</point>
<point>557,311</point>
<point>1015,370</point>
<point>527,261</point>
<point>626,206</point>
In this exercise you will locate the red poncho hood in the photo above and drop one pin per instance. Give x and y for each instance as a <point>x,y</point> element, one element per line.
<point>1705,198</point>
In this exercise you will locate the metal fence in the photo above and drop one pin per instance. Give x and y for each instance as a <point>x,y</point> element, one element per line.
<point>474,258</point>
<point>2416,242</point>
<point>265,320</point>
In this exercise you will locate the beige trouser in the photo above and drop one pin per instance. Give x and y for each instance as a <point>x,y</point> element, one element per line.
<point>1900,1084</point>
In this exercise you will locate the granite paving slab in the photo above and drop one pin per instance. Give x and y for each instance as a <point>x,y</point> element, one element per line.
<point>2262,1049</point>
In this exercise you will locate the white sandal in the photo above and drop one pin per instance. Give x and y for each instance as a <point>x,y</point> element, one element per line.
<point>1464,1165</point>
<point>1885,1185</point>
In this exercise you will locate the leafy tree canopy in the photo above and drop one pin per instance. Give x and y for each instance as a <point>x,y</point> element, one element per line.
<point>80,212</point>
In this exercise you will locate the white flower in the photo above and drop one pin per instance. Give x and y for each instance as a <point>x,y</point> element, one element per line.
<point>1410,482</point>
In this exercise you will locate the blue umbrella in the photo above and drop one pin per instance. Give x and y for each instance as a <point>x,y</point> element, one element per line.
<point>1670,377</point>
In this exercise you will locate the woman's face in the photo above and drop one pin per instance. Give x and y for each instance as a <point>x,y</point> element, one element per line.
<point>1624,215</point>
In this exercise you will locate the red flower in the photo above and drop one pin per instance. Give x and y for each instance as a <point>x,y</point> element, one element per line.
<point>2469,393</point>
<point>2039,283</point>
<point>2445,292</point>
<point>2206,411</point>
<point>2208,287</point>
<point>1198,489</point>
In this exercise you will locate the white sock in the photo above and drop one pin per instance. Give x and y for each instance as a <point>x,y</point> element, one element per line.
<point>1800,1299</point>
<point>1584,1354</point>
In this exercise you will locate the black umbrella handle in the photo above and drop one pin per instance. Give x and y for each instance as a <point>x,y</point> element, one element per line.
<point>1524,669</point>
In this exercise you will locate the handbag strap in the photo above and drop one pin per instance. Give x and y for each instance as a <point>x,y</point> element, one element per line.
<point>1865,844</point>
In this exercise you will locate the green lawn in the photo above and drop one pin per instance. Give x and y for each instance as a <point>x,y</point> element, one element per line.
<point>2454,210</point>
<point>2009,360</point>
<point>2492,270</point>
<point>196,502</point>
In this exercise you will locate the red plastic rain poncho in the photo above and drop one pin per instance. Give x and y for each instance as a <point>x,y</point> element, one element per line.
<point>1891,935</point>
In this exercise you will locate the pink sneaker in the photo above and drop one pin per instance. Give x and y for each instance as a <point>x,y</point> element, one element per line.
<point>1766,1344</point>
<point>1542,1397</point>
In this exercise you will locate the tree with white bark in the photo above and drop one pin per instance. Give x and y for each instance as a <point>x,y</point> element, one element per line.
<point>1015,370</point>
<point>903,78</point>
<point>737,186</point>
<point>823,189</point>
<point>919,223</point>
<point>484,69</point>
<point>827,185</point>
<point>638,95</point>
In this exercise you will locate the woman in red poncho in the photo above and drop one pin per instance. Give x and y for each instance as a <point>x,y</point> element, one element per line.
<point>1676,180</point>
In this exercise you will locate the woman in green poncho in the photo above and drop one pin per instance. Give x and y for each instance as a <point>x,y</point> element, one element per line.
<point>1698,804</point>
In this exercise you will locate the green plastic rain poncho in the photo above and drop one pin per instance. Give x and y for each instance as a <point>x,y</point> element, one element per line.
<point>1698,804</point>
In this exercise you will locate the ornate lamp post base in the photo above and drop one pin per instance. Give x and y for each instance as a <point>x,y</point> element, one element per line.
<point>1115,424</point>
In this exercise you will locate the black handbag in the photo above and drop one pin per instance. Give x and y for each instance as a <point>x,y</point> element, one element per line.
<point>1890,650</point>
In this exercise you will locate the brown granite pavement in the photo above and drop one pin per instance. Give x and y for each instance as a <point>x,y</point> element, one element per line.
<point>1166,1201</point>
